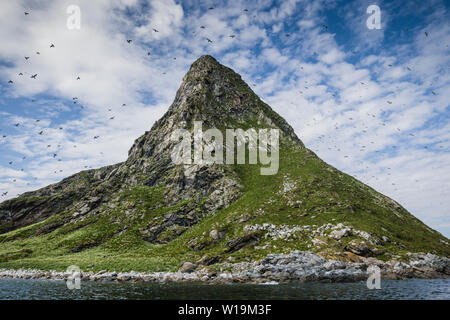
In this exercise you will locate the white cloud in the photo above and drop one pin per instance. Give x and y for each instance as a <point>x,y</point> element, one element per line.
<point>332,56</point>
<point>165,16</point>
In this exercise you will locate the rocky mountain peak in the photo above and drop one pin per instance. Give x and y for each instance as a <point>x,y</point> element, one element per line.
<point>204,64</point>
<point>217,211</point>
<point>206,70</point>
<point>217,96</point>
<point>209,86</point>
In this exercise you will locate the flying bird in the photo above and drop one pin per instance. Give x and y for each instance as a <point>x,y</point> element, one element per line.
<point>426,34</point>
<point>26,13</point>
<point>52,45</point>
<point>26,58</point>
<point>129,41</point>
<point>78,78</point>
<point>34,76</point>
<point>155,30</point>
<point>209,40</point>
<point>232,36</point>
<point>10,81</point>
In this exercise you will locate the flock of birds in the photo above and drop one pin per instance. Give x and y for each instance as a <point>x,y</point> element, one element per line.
<point>322,138</point>
<point>363,126</point>
<point>232,36</point>
<point>75,100</point>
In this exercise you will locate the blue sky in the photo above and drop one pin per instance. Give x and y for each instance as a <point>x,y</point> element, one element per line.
<point>373,103</point>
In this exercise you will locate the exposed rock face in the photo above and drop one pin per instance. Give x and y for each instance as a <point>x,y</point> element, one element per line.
<point>275,268</point>
<point>308,205</point>
<point>84,191</point>
<point>359,249</point>
<point>210,93</point>
<point>306,266</point>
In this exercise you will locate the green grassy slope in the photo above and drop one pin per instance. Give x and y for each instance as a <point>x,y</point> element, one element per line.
<point>318,194</point>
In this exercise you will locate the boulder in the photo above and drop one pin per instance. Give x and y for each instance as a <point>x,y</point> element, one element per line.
<point>339,234</point>
<point>187,267</point>
<point>207,261</point>
<point>359,248</point>
<point>239,243</point>
<point>216,234</point>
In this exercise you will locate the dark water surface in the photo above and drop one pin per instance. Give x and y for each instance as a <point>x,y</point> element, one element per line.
<point>390,289</point>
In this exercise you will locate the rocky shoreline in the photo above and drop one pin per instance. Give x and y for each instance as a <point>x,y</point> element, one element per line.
<point>301,266</point>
